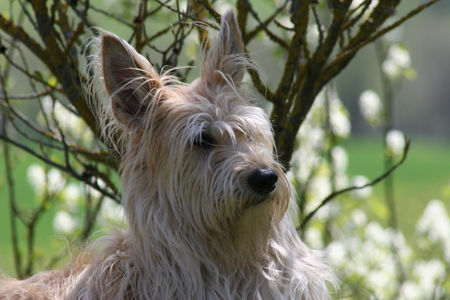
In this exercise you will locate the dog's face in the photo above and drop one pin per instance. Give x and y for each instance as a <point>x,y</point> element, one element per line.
<point>200,154</point>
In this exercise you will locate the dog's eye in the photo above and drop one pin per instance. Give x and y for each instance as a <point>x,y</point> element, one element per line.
<point>205,140</point>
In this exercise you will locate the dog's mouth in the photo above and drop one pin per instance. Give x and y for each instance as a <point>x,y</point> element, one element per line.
<point>258,199</point>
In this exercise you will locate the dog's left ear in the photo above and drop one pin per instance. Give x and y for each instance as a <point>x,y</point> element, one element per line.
<point>225,61</point>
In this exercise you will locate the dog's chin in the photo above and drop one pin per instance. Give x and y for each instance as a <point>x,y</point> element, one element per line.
<point>253,226</point>
<point>262,207</point>
<point>270,205</point>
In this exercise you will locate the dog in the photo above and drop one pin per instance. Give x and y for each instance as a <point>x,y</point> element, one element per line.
<point>204,197</point>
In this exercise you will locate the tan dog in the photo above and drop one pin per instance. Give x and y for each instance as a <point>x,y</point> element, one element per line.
<point>204,197</point>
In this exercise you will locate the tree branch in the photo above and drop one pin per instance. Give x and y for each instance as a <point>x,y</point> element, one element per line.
<point>304,99</point>
<point>342,59</point>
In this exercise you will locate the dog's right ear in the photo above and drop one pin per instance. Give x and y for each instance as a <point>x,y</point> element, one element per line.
<point>130,79</point>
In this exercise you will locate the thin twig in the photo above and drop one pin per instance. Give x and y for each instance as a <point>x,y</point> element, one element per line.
<point>318,24</point>
<point>26,96</point>
<point>352,188</point>
<point>72,172</point>
<point>110,15</point>
<point>263,25</point>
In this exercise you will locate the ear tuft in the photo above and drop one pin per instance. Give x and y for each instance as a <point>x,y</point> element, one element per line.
<point>226,59</point>
<point>129,78</point>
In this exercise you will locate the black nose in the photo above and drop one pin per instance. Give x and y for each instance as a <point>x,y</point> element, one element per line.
<point>263,181</point>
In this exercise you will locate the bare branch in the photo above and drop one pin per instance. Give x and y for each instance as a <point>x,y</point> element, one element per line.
<point>18,33</point>
<point>300,18</point>
<point>304,99</point>
<point>341,60</point>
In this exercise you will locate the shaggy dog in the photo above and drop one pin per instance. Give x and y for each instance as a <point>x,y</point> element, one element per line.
<point>203,194</point>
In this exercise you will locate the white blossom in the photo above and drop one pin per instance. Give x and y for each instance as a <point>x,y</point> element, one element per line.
<point>382,281</point>
<point>360,3</point>
<point>366,251</point>
<point>400,56</point>
<point>320,188</point>
<point>37,178</point>
<point>56,181</point>
<point>52,181</point>
<point>72,124</point>
<point>340,159</point>
<point>340,123</point>
<point>358,217</point>
<point>286,22</point>
<point>378,234</point>
<point>391,69</point>
<point>306,158</point>
<point>308,161</point>
<point>435,272</point>
<point>337,253</point>
<point>312,36</point>
<point>71,195</point>
<point>397,63</point>
<point>65,118</point>
<point>371,107</point>
<point>64,223</point>
<point>434,224</point>
<point>374,253</point>
<point>110,211</point>
<point>313,238</point>
<point>68,122</point>
<point>434,221</point>
<point>410,291</point>
<point>315,137</point>
<point>340,180</point>
<point>357,3</point>
<point>397,239</point>
<point>395,142</point>
<point>93,192</point>
<point>360,181</point>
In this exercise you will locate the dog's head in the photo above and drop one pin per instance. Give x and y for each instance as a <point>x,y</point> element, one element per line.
<point>196,156</point>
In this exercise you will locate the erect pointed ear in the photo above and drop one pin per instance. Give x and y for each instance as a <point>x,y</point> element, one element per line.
<point>129,77</point>
<point>225,60</point>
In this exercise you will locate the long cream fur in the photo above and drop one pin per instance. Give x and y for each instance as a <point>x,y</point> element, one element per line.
<point>196,228</point>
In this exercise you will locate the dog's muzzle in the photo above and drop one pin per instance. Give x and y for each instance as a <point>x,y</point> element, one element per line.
<point>263,181</point>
